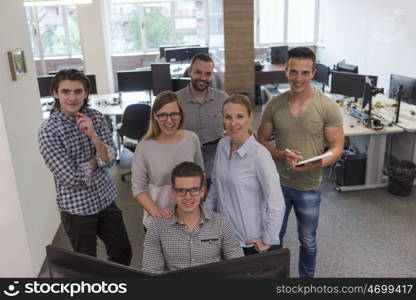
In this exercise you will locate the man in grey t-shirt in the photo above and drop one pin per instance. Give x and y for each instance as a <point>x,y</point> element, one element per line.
<point>202,106</point>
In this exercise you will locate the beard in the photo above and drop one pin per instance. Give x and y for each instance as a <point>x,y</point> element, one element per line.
<point>196,86</point>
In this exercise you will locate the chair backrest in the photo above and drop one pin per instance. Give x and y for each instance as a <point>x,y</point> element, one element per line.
<point>161,79</point>
<point>135,121</point>
<point>93,83</point>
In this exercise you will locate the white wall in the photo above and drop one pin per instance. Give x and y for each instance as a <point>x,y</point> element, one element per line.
<point>377,35</point>
<point>28,213</point>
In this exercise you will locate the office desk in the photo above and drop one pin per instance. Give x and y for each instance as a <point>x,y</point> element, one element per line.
<point>376,148</point>
<point>271,73</point>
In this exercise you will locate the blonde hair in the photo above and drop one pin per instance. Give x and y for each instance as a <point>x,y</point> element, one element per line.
<point>161,100</point>
<point>242,100</point>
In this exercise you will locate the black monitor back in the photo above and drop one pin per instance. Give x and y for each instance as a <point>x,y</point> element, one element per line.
<point>176,54</point>
<point>322,73</point>
<point>134,80</point>
<point>93,84</point>
<point>180,83</point>
<point>278,55</point>
<point>44,83</point>
<point>161,79</point>
<point>348,84</point>
<point>409,87</point>
<point>64,263</point>
<point>192,51</point>
<point>163,47</point>
<point>272,264</point>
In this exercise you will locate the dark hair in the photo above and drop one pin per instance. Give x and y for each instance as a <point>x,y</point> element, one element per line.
<point>187,169</point>
<point>301,52</point>
<point>161,100</point>
<point>72,75</point>
<point>201,56</point>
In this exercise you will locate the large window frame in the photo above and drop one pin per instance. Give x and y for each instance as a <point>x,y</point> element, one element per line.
<point>257,28</point>
<point>173,34</point>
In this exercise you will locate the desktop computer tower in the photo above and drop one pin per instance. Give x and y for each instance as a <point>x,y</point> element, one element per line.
<point>350,170</point>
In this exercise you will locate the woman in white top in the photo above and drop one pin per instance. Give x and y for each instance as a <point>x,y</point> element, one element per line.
<point>165,145</point>
<point>245,185</point>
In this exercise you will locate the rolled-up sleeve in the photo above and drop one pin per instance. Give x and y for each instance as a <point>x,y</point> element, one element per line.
<point>60,163</point>
<point>139,171</point>
<point>273,197</point>
<point>105,135</point>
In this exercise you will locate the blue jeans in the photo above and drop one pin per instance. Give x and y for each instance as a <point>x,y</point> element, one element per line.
<point>306,205</point>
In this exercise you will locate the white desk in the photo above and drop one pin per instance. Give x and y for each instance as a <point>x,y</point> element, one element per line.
<point>376,148</point>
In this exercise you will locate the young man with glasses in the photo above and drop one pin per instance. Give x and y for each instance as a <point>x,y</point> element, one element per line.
<point>193,236</point>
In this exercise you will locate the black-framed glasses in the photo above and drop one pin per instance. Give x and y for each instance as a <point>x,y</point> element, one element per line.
<point>173,116</point>
<point>181,192</point>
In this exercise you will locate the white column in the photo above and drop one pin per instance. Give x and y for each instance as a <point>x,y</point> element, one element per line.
<point>28,213</point>
<point>96,44</point>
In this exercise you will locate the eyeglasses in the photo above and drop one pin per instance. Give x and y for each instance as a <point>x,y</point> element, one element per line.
<point>173,116</point>
<point>181,192</point>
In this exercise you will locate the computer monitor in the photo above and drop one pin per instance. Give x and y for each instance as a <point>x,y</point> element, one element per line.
<point>180,83</point>
<point>161,78</point>
<point>278,55</point>
<point>322,73</point>
<point>93,84</point>
<point>409,87</point>
<point>163,47</point>
<point>344,67</point>
<point>44,83</point>
<point>347,84</point>
<point>176,54</point>
<point>192,51</point>
<point>272,264</point>
<point>134,80</point>
<point>64,263</point>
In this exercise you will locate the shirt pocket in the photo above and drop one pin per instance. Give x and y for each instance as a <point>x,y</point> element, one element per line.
<point>314,126</point>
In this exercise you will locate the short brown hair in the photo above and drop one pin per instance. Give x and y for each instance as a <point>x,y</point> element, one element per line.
<point>301,52</point>
<point>161,100</point>
<point>72,75</point>
<point>187,169</point>
<point>203,57</point>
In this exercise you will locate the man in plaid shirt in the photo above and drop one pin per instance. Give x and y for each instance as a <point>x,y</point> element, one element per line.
<point>194,235</point>
<point>77,147</point>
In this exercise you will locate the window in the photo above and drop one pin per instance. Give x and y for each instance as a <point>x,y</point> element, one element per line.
<point>54,31</point>
<point>285,21</point>
<point>143,25</point>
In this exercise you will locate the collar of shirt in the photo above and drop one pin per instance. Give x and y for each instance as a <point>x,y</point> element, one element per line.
<point>65,117</point>
<point>206,215</point>
<point>209,96</point>
<point>242,151</point>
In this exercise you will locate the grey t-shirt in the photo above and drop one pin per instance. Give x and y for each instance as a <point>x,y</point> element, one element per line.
<point>304,133</point>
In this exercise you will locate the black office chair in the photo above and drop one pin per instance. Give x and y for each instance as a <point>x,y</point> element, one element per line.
<point>133,127</point>
<point>180,83</point>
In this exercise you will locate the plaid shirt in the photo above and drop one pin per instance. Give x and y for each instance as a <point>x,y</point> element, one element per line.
<point>169,245</point>
<point>67,151</point>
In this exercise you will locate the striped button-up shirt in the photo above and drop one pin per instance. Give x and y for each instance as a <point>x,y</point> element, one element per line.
<point>67,151</point>
<point>169,245</point>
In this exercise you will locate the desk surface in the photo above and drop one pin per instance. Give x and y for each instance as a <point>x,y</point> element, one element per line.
<point>105,103</point>
<point>271,73</point>
<point>352,126</point>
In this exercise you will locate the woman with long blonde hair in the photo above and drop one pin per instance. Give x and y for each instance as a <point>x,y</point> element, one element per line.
<point>165,145</point>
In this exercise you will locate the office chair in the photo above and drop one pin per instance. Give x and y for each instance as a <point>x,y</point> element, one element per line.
<point>133,127</point>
